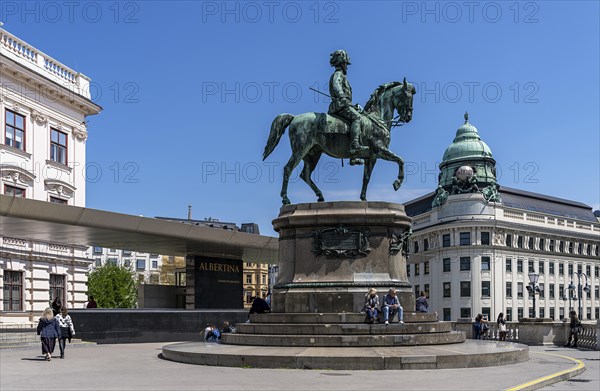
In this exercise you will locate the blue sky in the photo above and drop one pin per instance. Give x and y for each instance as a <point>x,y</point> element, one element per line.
<point>189,90</point>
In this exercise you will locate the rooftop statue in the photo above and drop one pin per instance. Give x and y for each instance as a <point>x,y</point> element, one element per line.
<point>347,131</point>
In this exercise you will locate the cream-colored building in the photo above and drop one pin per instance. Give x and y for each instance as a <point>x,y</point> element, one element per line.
<point>474,243</point>
<point>43,109</point>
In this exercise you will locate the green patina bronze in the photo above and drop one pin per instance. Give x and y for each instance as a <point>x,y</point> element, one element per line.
<point>347,131</point>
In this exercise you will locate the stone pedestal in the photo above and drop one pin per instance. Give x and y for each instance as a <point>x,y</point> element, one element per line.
<point>331,253</point>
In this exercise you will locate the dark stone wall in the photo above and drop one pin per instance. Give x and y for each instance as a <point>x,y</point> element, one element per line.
<point>144,325</point>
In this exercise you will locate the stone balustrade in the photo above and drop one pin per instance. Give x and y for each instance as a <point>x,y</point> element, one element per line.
<point>39,62</point>
<point>537,332</point>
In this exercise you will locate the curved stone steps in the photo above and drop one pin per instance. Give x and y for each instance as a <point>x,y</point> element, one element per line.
<point>343,329</point>
<point>344,340</point>
<point>328,318</point>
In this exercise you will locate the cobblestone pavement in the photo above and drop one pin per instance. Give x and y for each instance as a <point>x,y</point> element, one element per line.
<point>139,367</point>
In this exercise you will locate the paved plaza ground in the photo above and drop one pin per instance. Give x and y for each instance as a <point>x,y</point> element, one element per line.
<point>139,367</point>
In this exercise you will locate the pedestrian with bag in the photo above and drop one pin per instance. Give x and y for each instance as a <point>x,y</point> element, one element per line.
<point>574,330</point>
<point>48,330</point>
<point>501,322</point>
<point>67,331</point>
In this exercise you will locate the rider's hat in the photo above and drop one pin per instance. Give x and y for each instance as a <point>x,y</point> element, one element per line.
<point>339,57</point>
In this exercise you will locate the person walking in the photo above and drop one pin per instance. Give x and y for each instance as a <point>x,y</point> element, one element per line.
<point>56,305</point>
<point>67,331</point>
<point>91,303</point>
<point>574,330</point>
<point>48,330</point>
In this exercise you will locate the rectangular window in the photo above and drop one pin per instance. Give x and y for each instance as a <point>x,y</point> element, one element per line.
<point>58,146</point>
<point>597,271</point>
<point>508,240</point>
<point>140,264</point>
<point>571,247</point>
<point>542,290</point>
<point>519,313</point>
<point>154,264</point>
<point>561,268</point>
<point>112,261</point>
<point>98,262</point>
<point>126,253</point>
<point>425,244</point>
<point>248,264</point>
<point>407,270</point>
<point>541,244</point>
<point>97,250</point>
<point>13,291</point>
<point>508,289</point>
<point>531,265</point>
<point>551,245</point>
<point>248,297</point>
<point>465,289</point>
<point>57,287</point>
<point>485,238</point>
<point>588,270</point>
<point>570,268</point>
<point>248,278</point>
<point>14,130</point>
<point>417,290</point>
<point>542,267</point>
<point>580,248</point>
<point>127,263</point>
<point>579,268</point>
<point>486,312</point>
<point>465,264</point>
<point>447,315</point>
<point>509,314</point>
<point>597,313</point>
<point>446,264</point>
<point>263,278</point>
<point>588,313</point>
<point>542,312</point>
<point>485,263</point>
<point>561,246</point>
<point>561,313</point>
<point>597,292</point>
<point>426,267</point>
<point>465,238</point>
<point>14,191</point>
<point>416,246</point>
<point>426,290</point>
<point>519,241</point>
<point>519,289</point>
<point>519,265</point>
<point>465,312</point>
<point>551,267</point>
<point>485,288</point>
<point>56,200</point>
<point>530,243</point>
<point>417,269</point>
<point>551,292</point>
<point>446,240</point>
<point>552,313</point>
<point>447,288</point>
<point>561,291</point>
<point>508,264</point>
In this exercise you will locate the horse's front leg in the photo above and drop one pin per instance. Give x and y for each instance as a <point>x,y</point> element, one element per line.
<point>388,155</point>
<point>369,164</point>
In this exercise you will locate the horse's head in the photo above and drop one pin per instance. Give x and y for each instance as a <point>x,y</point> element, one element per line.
<point>403,100</point>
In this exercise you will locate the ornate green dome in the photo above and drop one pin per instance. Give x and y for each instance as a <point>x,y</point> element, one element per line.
<point>468,165</point>
<point>467,144</point>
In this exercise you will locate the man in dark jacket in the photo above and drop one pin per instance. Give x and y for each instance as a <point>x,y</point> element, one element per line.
<point>259,306</point>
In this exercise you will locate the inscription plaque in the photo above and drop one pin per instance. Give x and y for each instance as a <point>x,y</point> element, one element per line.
<point>341,242</point>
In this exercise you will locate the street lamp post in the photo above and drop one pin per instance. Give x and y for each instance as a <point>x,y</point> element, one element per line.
<point>580,289</point>
<point>533,288</point>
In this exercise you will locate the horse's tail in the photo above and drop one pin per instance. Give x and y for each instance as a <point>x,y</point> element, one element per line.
<point>280,123</point>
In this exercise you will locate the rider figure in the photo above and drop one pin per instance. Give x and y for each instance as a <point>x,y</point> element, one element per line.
<point>341,101</point>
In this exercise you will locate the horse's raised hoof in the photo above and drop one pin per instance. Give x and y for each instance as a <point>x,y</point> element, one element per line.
<point>363,197</point>
<point>285,201</point>
<point>320,199</point>
<point>397,184</point>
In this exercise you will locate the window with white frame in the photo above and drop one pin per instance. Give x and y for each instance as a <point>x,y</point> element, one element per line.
<point>58,146</point>
<point>14,130</point>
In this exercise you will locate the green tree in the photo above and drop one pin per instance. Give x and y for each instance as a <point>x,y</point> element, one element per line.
<point>113,286</point>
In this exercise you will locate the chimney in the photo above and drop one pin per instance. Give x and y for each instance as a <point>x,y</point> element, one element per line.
<point>189,212</point>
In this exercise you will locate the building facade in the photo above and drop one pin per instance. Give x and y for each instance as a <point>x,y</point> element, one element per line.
<point>43,109</point>
<point>475,244</point>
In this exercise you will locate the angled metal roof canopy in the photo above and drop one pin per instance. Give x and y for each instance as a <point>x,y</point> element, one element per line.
<point>57,223</point>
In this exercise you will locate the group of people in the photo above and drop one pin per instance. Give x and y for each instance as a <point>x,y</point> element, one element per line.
<point>213,334</point>
<point>391,306</point>
<point>54,324</point>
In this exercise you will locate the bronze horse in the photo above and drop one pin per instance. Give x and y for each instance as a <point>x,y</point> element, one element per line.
<point>312,134</point>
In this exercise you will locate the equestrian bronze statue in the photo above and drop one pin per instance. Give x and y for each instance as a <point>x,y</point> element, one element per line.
<point>347,131</point>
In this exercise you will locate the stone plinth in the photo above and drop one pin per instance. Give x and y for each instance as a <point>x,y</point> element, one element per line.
<point>331,253</point>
